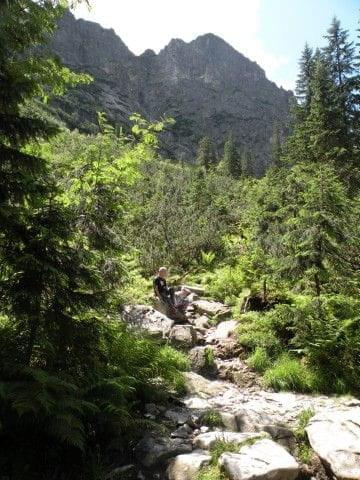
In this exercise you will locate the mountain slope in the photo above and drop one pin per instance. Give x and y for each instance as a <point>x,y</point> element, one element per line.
<point>206,85</point>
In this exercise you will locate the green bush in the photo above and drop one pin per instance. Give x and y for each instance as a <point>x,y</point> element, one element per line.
<point>259,360</point>
<point>226,284</point>
<point>255,331</point>
<point>290,374</point>
<point>327,332</point>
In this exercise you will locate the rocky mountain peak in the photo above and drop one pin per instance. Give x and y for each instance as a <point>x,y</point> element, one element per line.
<point>207,86</point>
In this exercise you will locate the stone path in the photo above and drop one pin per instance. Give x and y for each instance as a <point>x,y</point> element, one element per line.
<point>225,400</point>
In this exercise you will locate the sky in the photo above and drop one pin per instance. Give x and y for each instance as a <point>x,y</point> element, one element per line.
<point>270,32</point>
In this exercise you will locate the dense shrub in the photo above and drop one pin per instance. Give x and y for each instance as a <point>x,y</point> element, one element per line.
<point>290,374</point>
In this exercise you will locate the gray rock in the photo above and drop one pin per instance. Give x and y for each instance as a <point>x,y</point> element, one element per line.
<point>281,435</point>
<point>223,331</point>
<point>182,432</point>
<point>178,417</point>
<point>198,385</point>
<point>197,289</point>
<point>152,451</point>
<point>201,359</point>
<point>185,467</point>
<point>264,460</point>
<point>211,309</point>
<point>143,317</point>
<point>335,437</point>
<point>183,335</point>
<point>202,322</point>
<point>208,439</point>
<point>229,421</point>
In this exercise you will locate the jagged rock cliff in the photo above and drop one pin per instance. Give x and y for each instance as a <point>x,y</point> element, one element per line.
<point>206,85</point>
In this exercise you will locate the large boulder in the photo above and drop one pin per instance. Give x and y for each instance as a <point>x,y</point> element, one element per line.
<point>223,331</point>
<point>335,437</point>
<point>263,460</point>
<point>196,384</point>
<point>212,309</point>
<point>209,439</point>
<point>152,451</point>
<point>201,323</point>
<point>185,467</point>
<point>148,319</point>
<point>197,289</point>
<point>202,361</point>
<point>183,335</point>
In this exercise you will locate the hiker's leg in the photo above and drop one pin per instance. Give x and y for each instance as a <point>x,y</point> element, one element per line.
<point>172,295</point>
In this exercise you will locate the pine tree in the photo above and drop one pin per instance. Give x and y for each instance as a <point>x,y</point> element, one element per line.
<point>339,54</point>
<point>276,147</point>
<point>324,126</point>
<point>314,227</point>
<point>303,83</point>
<point>246,164</point>
<point>206,156</point>
<point>231,158</point>
<point>41,272</point>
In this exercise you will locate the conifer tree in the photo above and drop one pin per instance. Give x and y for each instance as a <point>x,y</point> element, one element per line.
<point>205,155</point>
<point>303,83</point>
<point>231,158</point>
<point>314,226</point>
<point>339,54</point>
<point>246,167</point>
<point>276,150</point>
<point>324,123</point>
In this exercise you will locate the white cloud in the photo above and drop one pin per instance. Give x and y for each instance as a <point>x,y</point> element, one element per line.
<point>143,24</point>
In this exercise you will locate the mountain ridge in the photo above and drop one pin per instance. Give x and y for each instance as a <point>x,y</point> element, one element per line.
<point>206,85</point>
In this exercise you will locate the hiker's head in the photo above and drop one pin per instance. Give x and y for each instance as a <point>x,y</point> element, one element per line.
<point>163,272</point>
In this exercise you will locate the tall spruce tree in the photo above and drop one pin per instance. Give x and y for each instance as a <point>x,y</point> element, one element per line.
<point>303,83</point>
<point>324,122</point>
<point>42,274</point>
<point>339,54</point>
<point>231,158</point>
<point>315,227</point>
<point>206,157</point>
<point>276,147</point>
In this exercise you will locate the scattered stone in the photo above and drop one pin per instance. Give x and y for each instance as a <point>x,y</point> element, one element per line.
<point>197,403</point>
<point>197,289</point>
<point>335,437</point>
<point>281,435</point>
<point>146,318</point>
<point>185,467</point>
<point>201,323</point>
<point>152,451</point>
<point>183,335</point>
<point>263,460</point>
<point>182,432</point>
<point>178,417</point>
<point>249,420</point>
<point>207,440</point>
<point>198,385</point>
<point>202,361</point>
<point>211,309</point>
<point>223,331</point>
<point>229,421</point>
<point>152,409</point>
<point>204,429</point>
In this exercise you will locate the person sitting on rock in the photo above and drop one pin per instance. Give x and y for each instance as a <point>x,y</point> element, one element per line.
<point>162,291</point>
<point>167,294</point>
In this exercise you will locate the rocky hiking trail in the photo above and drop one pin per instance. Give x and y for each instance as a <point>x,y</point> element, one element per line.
<point>225,401</point>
